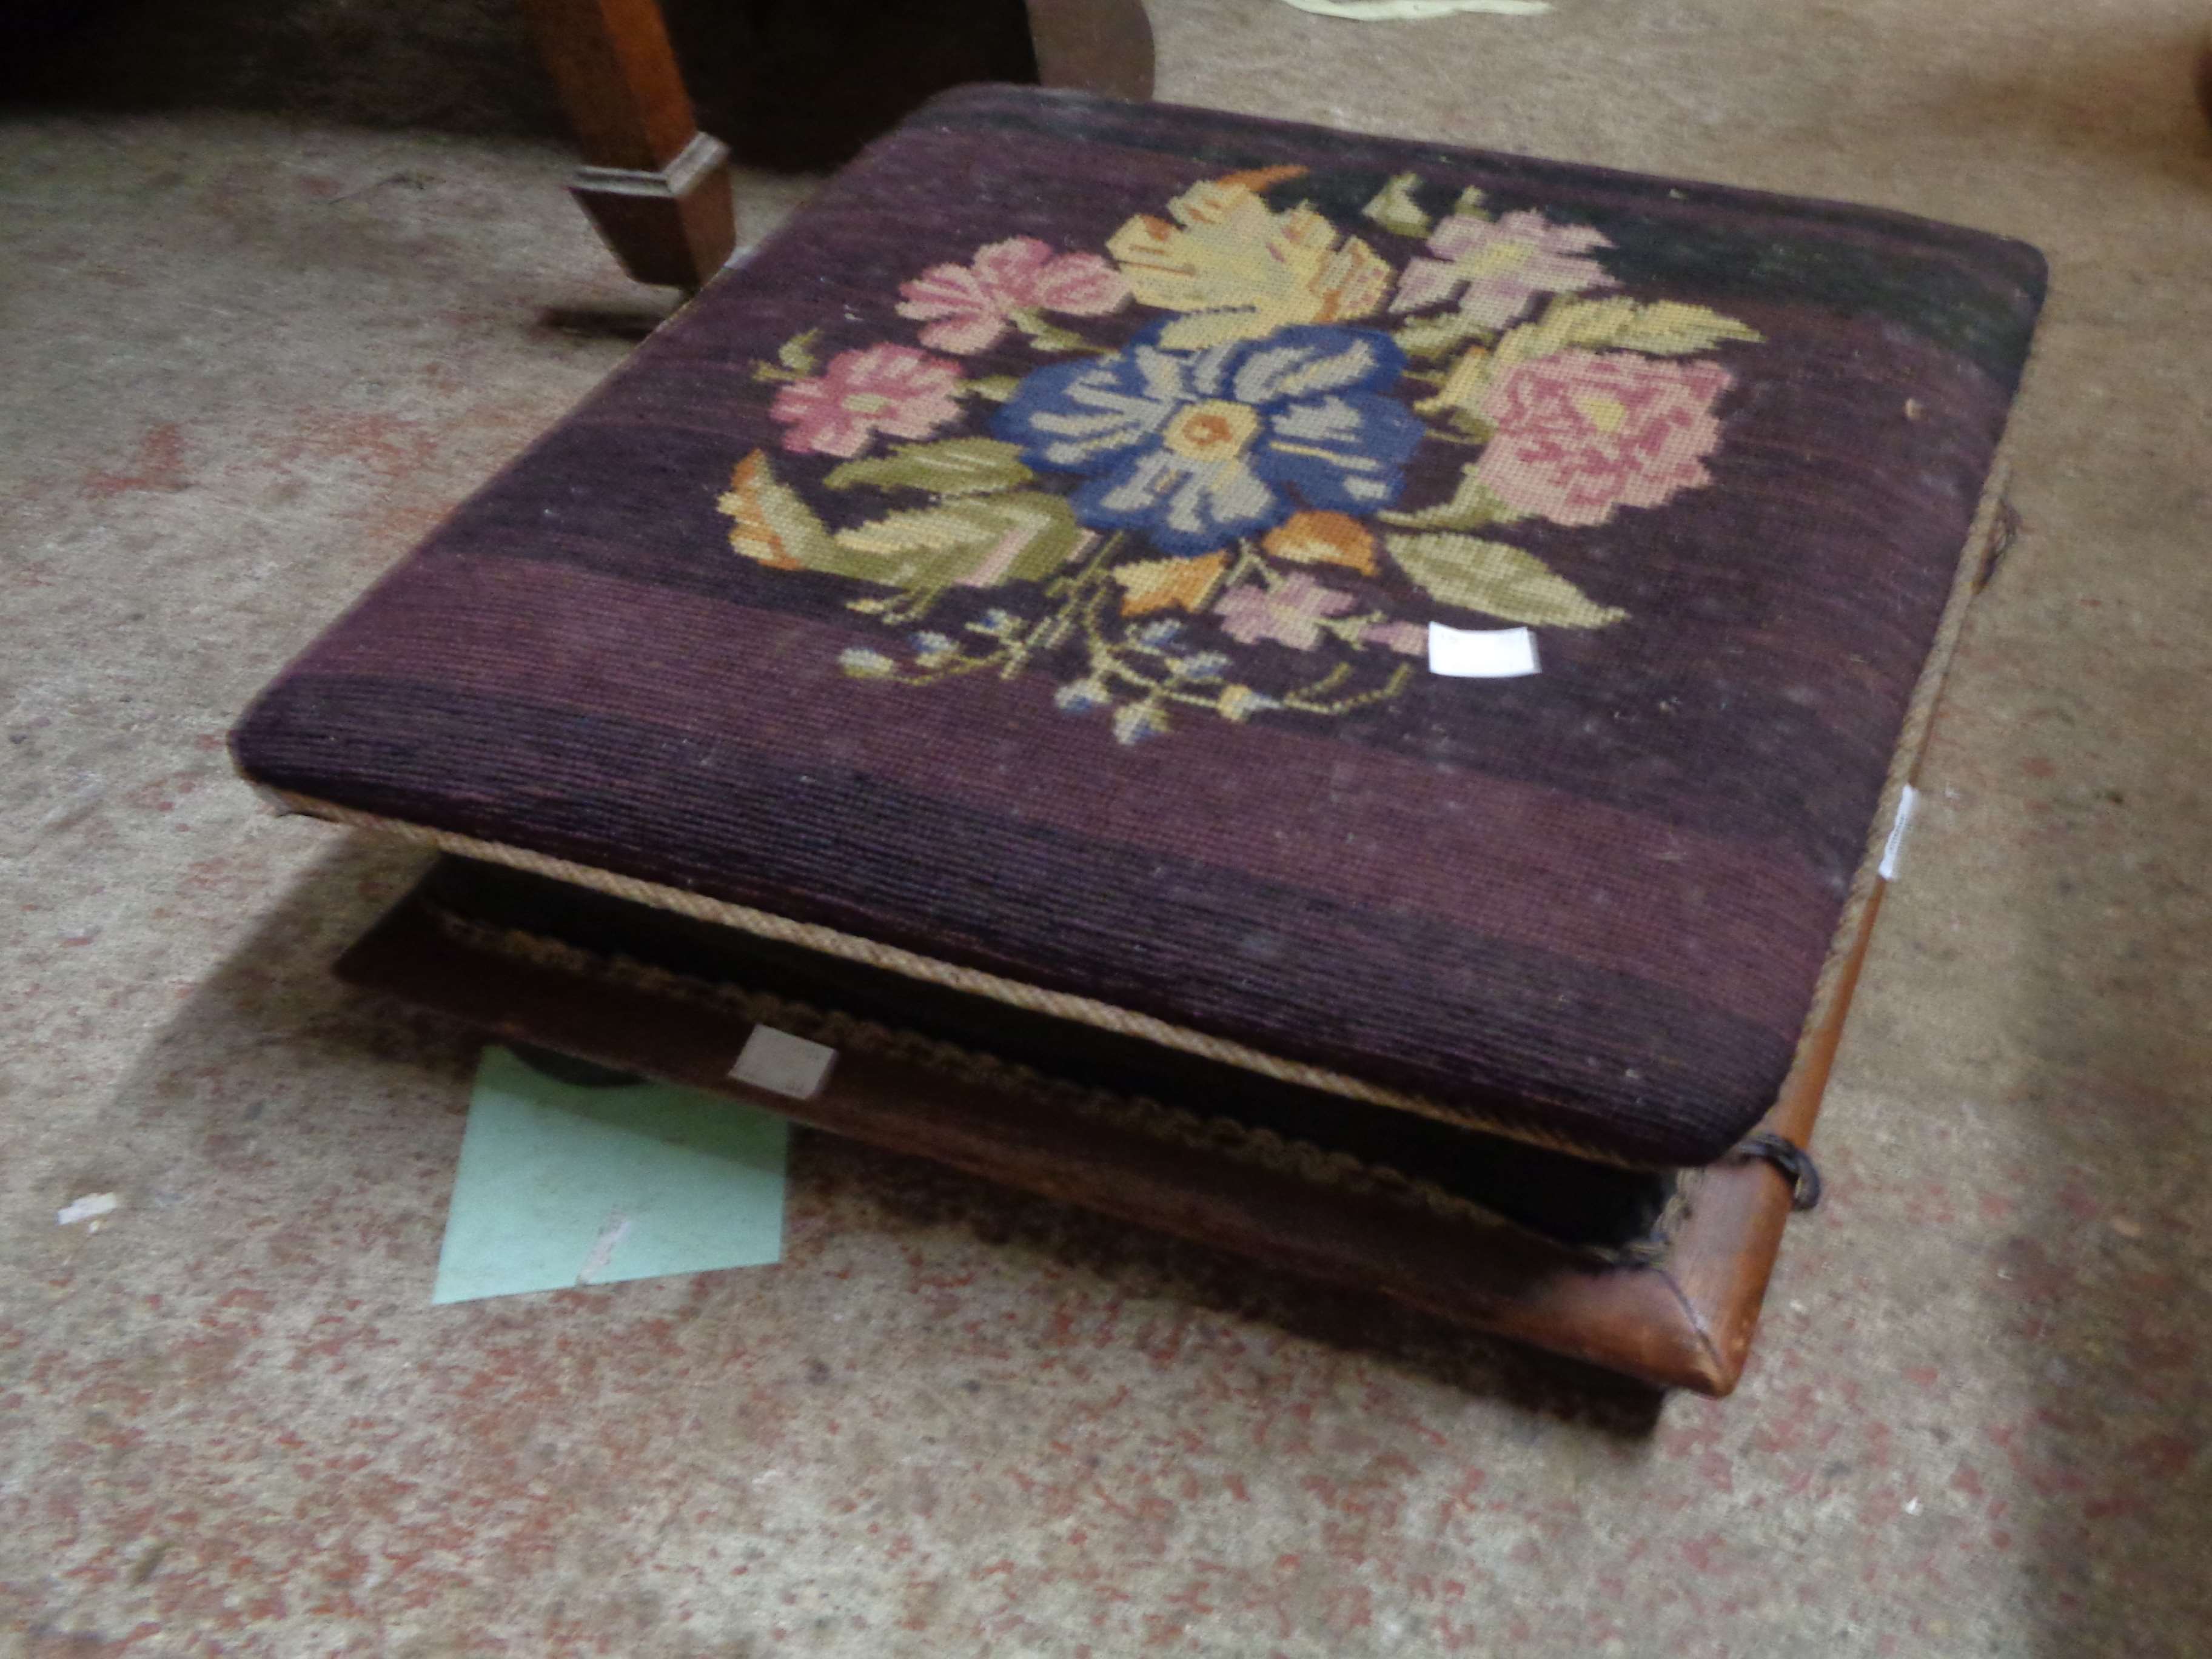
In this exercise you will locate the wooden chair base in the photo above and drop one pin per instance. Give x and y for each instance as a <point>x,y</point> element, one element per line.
<point>658,189</point>
<point>674,226</point>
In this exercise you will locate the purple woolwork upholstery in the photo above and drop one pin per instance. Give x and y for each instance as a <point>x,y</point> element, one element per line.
<point>1026,567</point>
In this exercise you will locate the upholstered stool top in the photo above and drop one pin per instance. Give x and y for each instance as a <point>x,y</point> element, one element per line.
<point>1078,561</point>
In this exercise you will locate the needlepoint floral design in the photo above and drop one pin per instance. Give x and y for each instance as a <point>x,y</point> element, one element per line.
<point>1207,512</point>
<point>971,307</point>
<point>1323,538</point>
<point>884,388</point>
<point>1197,448</point>
<point>1496,267</point>
<point>1294,612</point>
<point>1583,434</point>
<point>1239,270</point>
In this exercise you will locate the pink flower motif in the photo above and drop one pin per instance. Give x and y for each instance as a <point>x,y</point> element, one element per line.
<point>1412,638</point>
<point>971,303</point>
<point>1581,433</point>
<point>1503,263</point>
<point>1290,612</point>
<point>880,388</point>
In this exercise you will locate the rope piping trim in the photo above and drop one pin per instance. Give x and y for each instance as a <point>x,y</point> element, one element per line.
<point>1107,1017</point>
<point>849,947</point>
<point>1263,1148</point>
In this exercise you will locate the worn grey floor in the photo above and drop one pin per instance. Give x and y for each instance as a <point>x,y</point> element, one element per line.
<point>261,326</point>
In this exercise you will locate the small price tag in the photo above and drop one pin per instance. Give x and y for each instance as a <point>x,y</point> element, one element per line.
<point>1898,825</point>
<point>783,1063</point>
<point>1481,653</point>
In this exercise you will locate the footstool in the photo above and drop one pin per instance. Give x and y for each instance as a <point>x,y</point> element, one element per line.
<point>1341,697</point>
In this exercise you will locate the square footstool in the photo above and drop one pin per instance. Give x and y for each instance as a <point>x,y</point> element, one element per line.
<point>1338,697</point>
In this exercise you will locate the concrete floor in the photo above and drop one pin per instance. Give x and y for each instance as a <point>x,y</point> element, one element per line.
<point>263,324</point>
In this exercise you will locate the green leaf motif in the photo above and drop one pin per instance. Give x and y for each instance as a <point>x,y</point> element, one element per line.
<point>1044,336</point>
<point>1020,537</point>
<point>1017,536</point>
<point>996,387</point>
<point>1565,325</point>
<point>797,353</point>
<point>1394,209</point>
<point>1670,329</point>
<point>772,525</point>
<point>1498,580</point>
<point>1472,505</point>
<point>1470,205</point>
<point>957,466</point>
<point>1438,336</point>
<point>1667,329</point>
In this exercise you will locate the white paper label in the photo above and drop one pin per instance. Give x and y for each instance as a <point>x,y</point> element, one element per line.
<point>1903,821</point>
<point>783,1063</point>
<point>1481,653</point>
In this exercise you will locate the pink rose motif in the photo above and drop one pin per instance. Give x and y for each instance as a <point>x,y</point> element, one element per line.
<point>1412,638</point>
<point>1290,613</point>
<point>1502,265</point>
<point>1581,433</point>
<point>970,305</point>
<point>880,388</point>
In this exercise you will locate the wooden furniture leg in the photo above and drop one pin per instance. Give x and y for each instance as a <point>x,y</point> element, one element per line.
<point>1095,45</point>
<point>657,188</point>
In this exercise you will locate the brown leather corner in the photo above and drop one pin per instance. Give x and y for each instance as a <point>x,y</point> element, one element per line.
<point>1721,1261</point>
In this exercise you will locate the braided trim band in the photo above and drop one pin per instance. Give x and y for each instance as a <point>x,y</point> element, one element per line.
<point>1261,1147</point>
<point>849,947</point>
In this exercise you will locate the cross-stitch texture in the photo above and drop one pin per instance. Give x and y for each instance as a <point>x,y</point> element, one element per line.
<point>1025,561</point>
<point>1140,506</point>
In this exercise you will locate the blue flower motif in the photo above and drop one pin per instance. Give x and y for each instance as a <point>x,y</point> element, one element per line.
<point>1195,449</point>
<point>865,665</point>
<point>1205,665</point>
<point>1081,696</point>
<point>1134,722</point>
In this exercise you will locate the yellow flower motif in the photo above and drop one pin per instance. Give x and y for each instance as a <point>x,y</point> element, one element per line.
<point>1242,268</point>
<point>1323,538</point>
<point>1240,702</point>
<point>1165,583</point>
<point>767,521</point>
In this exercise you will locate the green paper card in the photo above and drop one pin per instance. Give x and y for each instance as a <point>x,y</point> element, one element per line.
<point>568,1183</point>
